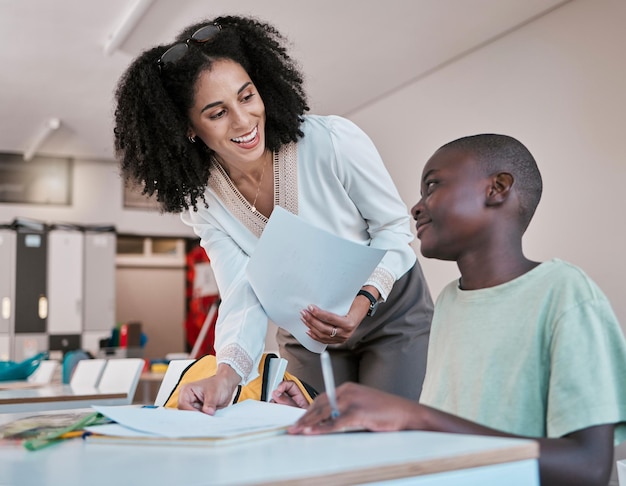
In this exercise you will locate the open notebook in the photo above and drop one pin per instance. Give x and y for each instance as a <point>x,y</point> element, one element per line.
<point>243,421</point>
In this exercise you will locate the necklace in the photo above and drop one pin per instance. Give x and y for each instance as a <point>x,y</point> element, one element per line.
<point>253,207</point>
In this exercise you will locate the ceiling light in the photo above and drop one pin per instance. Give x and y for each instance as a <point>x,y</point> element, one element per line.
<point>126,26</point>
<point>51,125</point>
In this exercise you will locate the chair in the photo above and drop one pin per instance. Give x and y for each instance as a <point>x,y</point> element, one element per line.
<point>44,372</point>
<point>172,375</point>
<point>70,360</point>
<point>87,373</point>
<point>121,375</point>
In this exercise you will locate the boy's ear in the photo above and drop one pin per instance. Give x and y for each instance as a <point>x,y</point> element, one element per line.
<point>500,188</point>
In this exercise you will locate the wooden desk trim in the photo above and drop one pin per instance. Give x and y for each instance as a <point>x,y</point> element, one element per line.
<point>53,397</point>
<point>19,385</point>
<point>520,452</point>
<point>61,398</point>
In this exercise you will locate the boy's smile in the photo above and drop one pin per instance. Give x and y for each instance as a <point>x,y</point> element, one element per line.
<point>452,205</point>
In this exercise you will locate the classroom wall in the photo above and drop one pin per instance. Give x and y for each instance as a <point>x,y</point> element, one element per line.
<point>97,198</point>
<point>558,85</point>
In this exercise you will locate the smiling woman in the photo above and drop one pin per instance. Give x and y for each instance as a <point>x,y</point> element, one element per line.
<point>215,126</point>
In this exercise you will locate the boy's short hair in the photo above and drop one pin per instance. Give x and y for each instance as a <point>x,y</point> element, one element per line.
<point>501,153</point>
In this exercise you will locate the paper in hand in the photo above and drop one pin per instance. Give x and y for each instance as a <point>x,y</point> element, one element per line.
<point>296,264</point>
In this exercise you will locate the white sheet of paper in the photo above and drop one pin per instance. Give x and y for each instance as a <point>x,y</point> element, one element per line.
<point>277,368</point>
<point>296,264</point>
<point>247,416</point>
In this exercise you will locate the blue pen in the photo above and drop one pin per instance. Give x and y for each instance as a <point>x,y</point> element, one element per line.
<point>329,384</point>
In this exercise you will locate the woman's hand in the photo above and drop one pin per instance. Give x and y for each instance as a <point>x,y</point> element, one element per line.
<point>329,328</point>
<point>288,393</point>
<point>360,408</point>
<point>211,393</point>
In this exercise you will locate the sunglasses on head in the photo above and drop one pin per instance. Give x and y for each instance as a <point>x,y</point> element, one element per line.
<point>178,51</point>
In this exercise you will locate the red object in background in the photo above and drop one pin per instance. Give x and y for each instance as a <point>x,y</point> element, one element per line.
<point>201,294</point>
<point>123,335</point>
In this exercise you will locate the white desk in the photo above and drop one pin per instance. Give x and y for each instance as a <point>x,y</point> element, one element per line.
<point>398,458</point>
<point>57,397</point>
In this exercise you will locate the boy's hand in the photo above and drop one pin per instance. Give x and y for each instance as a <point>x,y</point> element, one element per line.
<point>360,408</point>
<point>288,393</point>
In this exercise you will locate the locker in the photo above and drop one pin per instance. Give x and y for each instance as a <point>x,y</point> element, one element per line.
<point>6,353</point>
<point>99,284</point>
<point>27,345</point>
<point>7,282</point>
<point>65,281</point>
<point>31,303</point>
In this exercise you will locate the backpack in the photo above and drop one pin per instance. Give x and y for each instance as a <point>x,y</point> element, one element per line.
<point>254,390</point>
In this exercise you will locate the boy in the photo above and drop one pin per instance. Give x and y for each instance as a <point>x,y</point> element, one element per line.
<point>517,347</point>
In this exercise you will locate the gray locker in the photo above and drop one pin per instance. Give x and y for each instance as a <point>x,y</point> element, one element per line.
<point>27,345</point>
<point>99,284</point>
<point>65,281</point>
<point>7,291</point>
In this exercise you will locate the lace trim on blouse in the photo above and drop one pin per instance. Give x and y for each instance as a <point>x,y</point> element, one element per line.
<point>237,358</point>
<point>286,172</point>
<point>383,280</point>
<point>285,189</point>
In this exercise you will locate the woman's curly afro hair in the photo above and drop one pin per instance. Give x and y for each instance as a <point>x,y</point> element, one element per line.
<point>151,121</point>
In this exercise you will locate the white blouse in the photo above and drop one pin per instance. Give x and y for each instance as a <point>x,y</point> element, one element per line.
<point>332,178</point>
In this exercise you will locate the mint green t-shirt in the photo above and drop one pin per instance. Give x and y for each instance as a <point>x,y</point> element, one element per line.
<point>540,356</point>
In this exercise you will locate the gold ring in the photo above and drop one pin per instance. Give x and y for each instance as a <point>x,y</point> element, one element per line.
<point>333,333</point>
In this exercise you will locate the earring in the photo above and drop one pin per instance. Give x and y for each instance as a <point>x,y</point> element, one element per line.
<point>191,139</point>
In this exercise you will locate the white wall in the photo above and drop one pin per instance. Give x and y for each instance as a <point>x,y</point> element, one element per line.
<point>558,85</point>
<point>97,199</point>
<point>156,298</point>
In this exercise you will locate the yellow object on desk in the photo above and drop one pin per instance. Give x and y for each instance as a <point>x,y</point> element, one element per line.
<point>158,368</point>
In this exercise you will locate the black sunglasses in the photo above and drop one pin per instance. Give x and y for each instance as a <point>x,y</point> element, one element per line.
<point>177,51</point>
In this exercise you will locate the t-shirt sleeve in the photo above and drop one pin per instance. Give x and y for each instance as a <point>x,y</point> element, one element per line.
<point>587,371</point>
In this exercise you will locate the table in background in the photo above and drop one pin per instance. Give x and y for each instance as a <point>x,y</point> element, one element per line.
<point>398,458</point>
<point>56,397</point>
<point>149,381</point>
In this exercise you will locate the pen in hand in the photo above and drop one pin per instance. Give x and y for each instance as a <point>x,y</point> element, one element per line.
<point>329,384</point>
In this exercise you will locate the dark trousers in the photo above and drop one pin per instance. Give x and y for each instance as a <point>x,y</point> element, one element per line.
<point>387,351</point>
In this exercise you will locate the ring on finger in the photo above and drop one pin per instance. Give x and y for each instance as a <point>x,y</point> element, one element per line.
<point>333,333</point>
